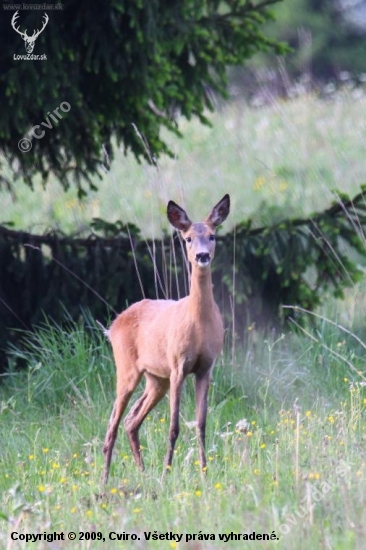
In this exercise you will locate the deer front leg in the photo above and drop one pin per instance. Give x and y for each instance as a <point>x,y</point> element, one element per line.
<point>176,385</point>
<point>202,385</point>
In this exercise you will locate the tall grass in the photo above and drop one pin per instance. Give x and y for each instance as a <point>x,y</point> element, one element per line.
<point>282,417</point>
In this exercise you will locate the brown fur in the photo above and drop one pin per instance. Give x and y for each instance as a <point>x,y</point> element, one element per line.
<point>166,340</point>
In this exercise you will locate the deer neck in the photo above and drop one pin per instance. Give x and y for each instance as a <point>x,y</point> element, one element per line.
<point>201,299</point>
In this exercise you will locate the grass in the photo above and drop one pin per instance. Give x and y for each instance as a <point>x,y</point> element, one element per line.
<point>282,159</point>
<point>285,445</point>
<point>286,423</point>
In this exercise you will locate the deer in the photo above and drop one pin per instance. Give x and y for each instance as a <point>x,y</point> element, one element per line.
<point>29,41</point>
<point>167,340</point>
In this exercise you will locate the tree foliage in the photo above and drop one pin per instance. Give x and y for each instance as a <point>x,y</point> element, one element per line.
<point>127,68</point>
<point>298,262</point>
<point>326,37</point>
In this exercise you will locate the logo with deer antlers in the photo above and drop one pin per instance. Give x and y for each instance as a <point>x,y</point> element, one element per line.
<point>29,40</point>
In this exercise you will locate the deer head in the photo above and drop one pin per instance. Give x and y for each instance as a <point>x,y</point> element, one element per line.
<point>199,237</point>
<point>29,40</point>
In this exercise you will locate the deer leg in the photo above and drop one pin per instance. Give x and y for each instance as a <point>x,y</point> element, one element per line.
<point>155,390</point>
<point>202,385</point>
<point>176,385</point>
<point>119,407</point>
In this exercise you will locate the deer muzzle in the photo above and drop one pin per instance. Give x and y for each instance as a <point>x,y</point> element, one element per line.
<point>203,258</point>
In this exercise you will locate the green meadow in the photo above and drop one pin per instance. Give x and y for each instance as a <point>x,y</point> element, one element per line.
<point>275,161</point>
<point>286,425</point>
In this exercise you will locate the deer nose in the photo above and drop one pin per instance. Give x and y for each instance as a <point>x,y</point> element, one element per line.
<point>203,258</point>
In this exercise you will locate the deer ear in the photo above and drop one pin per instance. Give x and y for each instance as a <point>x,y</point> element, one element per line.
<point>178,217</point>
<point>220,212</point>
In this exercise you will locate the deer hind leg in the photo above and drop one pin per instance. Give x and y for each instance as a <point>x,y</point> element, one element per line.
<point>202,385</point>
<point>124,392</point>
<point>155,390</point>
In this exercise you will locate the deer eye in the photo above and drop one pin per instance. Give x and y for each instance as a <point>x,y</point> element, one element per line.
<point>189,239</point>
<point>212,238</point>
